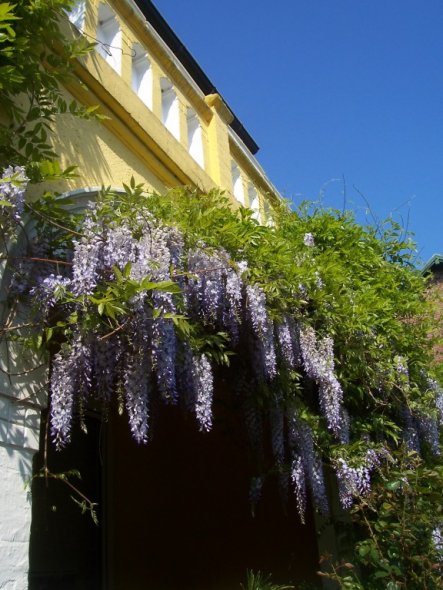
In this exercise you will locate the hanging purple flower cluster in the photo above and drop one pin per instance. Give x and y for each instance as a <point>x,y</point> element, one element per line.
<point>288,338</point>
<point>355,482</point>
<point>164,341</point>
<point>136,378</point>
<point>438,393</point>
<point>145,352</point>
<point>263,330</point>
<point>420,429</point>
<point>87,260</point>
<point>306,465</point>
<point>318,361</point>
<point>437,540</point>
<point>203,383</point>
<point>410,433</point>
<point>299,482</point>
<point>214,288</point>
<point>71,378</point>
<point>401,367</point>
<point>12,191</point>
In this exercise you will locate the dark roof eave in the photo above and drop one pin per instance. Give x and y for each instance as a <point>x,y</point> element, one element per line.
<point>154,17</point>
<point>433,263</point>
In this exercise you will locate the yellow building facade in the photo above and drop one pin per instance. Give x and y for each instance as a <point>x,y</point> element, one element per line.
<point>166,124</point>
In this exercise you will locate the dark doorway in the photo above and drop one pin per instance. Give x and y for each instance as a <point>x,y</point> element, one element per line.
<point>174,515</point>
<point>179,515</point>
<point>65,548</point>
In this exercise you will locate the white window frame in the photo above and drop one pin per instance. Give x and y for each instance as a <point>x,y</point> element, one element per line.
<point>170,108</point>
<point>109,37</point>
<point>254,202</point>
<point>142,75</point>
<point>195,137</point>
<point>237,184</point>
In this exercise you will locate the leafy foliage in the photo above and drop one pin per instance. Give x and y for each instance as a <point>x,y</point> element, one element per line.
<point>35,57</point>
<point>400,542</point>
<point>337,312</point>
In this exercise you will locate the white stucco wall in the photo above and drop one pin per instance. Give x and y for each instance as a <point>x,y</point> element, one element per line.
<point>19,440</point>
<point>23,377</point>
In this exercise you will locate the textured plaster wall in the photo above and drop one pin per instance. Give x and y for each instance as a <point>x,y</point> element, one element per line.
<point>19,433</point>
<point>19,440</point>
<point>23,377</point>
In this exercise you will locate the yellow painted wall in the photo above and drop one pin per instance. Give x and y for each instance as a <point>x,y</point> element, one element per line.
<point>133,140</point>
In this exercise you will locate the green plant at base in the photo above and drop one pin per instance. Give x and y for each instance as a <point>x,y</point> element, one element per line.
<point>259,581</point>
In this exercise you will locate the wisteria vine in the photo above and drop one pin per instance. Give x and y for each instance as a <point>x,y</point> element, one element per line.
<point>141,297</point>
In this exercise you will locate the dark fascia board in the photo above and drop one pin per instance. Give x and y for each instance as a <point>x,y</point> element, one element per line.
<point>434,263</point>
<point>154,17</point>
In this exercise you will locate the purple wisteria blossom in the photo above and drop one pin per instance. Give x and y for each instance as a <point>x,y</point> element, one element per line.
<point>175,245</point>
<point>354,482</point>
<point>196,382</point>
<point>157,262</point>
<point>87,260</point>
<point>401,366</point>
<point>437,540</point>
<point>164,349</point>
<point>438,392</point>
<point>142,265</point>
<point>308,240</point>
<point>263,329</point>
<point>106,362</point>
<point>318,361</point>
<point>204,386</point>
<point>268,347</point>
<point>12,191</point>
<point>206,288</point>
<point>233,300</point>
<point>439,406</point>
<point>285,342</point>
<point>136,380</point>
<point>63,380</point>
<point>429,432</point>
<point>119,248</point>
<point>70,381</point>
<point>299,483</point>
<point>318,280</point>
<point>49,290</point>
<point>301,443</point>
<point>256,304</point>
<point>410,433</point>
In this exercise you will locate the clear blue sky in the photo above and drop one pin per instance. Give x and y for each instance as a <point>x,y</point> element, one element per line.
<point>333,89</point>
